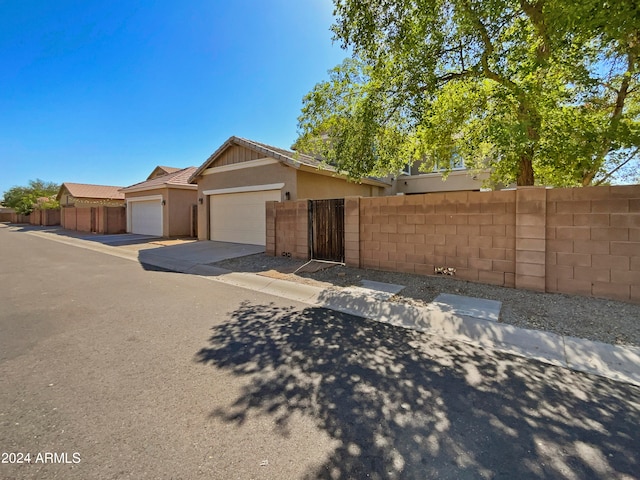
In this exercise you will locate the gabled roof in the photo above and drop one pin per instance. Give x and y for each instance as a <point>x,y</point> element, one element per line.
<point>160,171</point>
<point>86,190</point>
<point>293,159</point>
<point>288,157</point>
<point>177,179</point>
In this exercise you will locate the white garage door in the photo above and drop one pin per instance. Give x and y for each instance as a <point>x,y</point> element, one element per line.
<point>146,217</point>
<point>240,217</point>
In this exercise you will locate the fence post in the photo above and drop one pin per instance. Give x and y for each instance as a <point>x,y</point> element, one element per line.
<point>301,248</point>
<point>270,247</point>
<point>531,222</point>
<point>352,231</point>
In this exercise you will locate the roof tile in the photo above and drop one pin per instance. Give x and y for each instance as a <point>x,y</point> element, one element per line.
<point>86,190</point>
<point>178,178</point>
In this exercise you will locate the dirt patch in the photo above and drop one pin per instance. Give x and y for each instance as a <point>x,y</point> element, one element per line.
<point>591,318</point>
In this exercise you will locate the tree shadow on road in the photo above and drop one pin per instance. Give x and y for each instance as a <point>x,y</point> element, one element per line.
<point>406,405</point>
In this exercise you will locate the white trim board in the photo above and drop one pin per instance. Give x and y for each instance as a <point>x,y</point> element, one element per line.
<point>239,166</point>
<point>146,198</point>
<point>248,188</point>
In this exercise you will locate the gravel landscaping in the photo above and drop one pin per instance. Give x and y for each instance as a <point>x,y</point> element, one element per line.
<point>591,318</point>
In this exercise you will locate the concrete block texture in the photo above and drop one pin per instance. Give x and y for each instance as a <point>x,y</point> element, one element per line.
<point>574,240</point>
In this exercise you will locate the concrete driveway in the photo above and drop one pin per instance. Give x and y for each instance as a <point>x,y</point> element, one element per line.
<point>184,257</point>
<point>179,255</point>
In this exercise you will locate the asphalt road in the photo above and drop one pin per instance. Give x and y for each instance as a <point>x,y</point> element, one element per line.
<point>109,370</point>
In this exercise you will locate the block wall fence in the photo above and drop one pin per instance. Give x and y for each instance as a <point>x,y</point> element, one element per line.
<point>582,241</point>
<point>47,217</point>
<point>105,219</point>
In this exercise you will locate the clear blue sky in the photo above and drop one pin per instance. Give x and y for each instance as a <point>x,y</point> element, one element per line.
<point>103,91</point>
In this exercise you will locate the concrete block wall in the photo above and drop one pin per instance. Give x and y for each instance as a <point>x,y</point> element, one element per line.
<point>17,218</point>
<point>352,230</point>
<point>287,229</point>
<point>472,232</point>
<point>593,242</point>
<point>579,240</point>
<point>35,217</point>
<point>47,217</point>
<point>83,219</point>
<point>68,218</point>
<point>107,219</point>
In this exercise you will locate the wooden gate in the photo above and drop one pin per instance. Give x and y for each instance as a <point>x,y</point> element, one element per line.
<point>326,229</point>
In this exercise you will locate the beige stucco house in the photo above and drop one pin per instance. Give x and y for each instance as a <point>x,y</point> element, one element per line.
<point>88,195</point>
<point>91,208</point>
<point>239,177</point>
<point>163,205</point>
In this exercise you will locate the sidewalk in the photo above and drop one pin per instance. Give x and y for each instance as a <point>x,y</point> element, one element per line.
<point>438,318</point>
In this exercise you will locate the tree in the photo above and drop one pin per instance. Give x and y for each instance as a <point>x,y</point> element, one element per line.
<point>24,199</point>
<point>541,92</point>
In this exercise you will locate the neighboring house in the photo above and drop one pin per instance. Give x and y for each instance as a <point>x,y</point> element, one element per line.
<point>163,205</point>
<point>160,171</point>
<point>413,181</point>
<point>87,195</point>
<point>239,177</point>
<point>91,208</point>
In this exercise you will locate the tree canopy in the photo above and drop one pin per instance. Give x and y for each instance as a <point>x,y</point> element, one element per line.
<point>541,92</point>
<point>24,199</point>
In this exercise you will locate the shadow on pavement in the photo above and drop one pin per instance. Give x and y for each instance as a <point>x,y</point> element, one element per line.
<point>406,405</point>
<point>112,239</point>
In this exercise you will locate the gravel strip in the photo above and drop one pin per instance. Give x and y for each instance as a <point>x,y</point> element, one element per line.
<point>596,319</point>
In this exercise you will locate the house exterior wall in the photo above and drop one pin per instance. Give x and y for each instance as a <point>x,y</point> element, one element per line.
<point>178,209</point>
<point>97,202</point>
<point>317,186</point>
<point>237,154</point>
<point>245,177</point>
<point>68,200</point>
<point>457,180</point>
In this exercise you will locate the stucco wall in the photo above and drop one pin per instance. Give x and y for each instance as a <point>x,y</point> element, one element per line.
<point>178,209</point>
<point>96,202</point>
<point>260,175</point>
<point>317,187</point>
<point>433,182</point>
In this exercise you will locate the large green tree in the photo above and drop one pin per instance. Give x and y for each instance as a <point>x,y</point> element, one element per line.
<point>23,199</point>
<point>541,92</point>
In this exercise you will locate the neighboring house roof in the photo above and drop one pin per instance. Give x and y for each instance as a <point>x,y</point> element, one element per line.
<point>177,179</point>
<point>160,171</point>
<point>288,157</point>
<point>85,190</point>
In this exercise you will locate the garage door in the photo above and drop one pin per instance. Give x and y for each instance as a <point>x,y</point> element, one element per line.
<point>146,217</point>
<point>240,217</point>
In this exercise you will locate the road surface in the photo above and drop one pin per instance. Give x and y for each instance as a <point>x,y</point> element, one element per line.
<point>109,370</point>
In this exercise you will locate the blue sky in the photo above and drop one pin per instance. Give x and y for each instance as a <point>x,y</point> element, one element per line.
<point>103,91</point>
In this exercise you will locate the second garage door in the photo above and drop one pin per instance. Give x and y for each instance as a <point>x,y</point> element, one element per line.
<point>146,217</point>
<point>240,217</point>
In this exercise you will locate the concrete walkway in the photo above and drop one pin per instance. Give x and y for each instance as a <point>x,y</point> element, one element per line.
<point>451,318</point>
